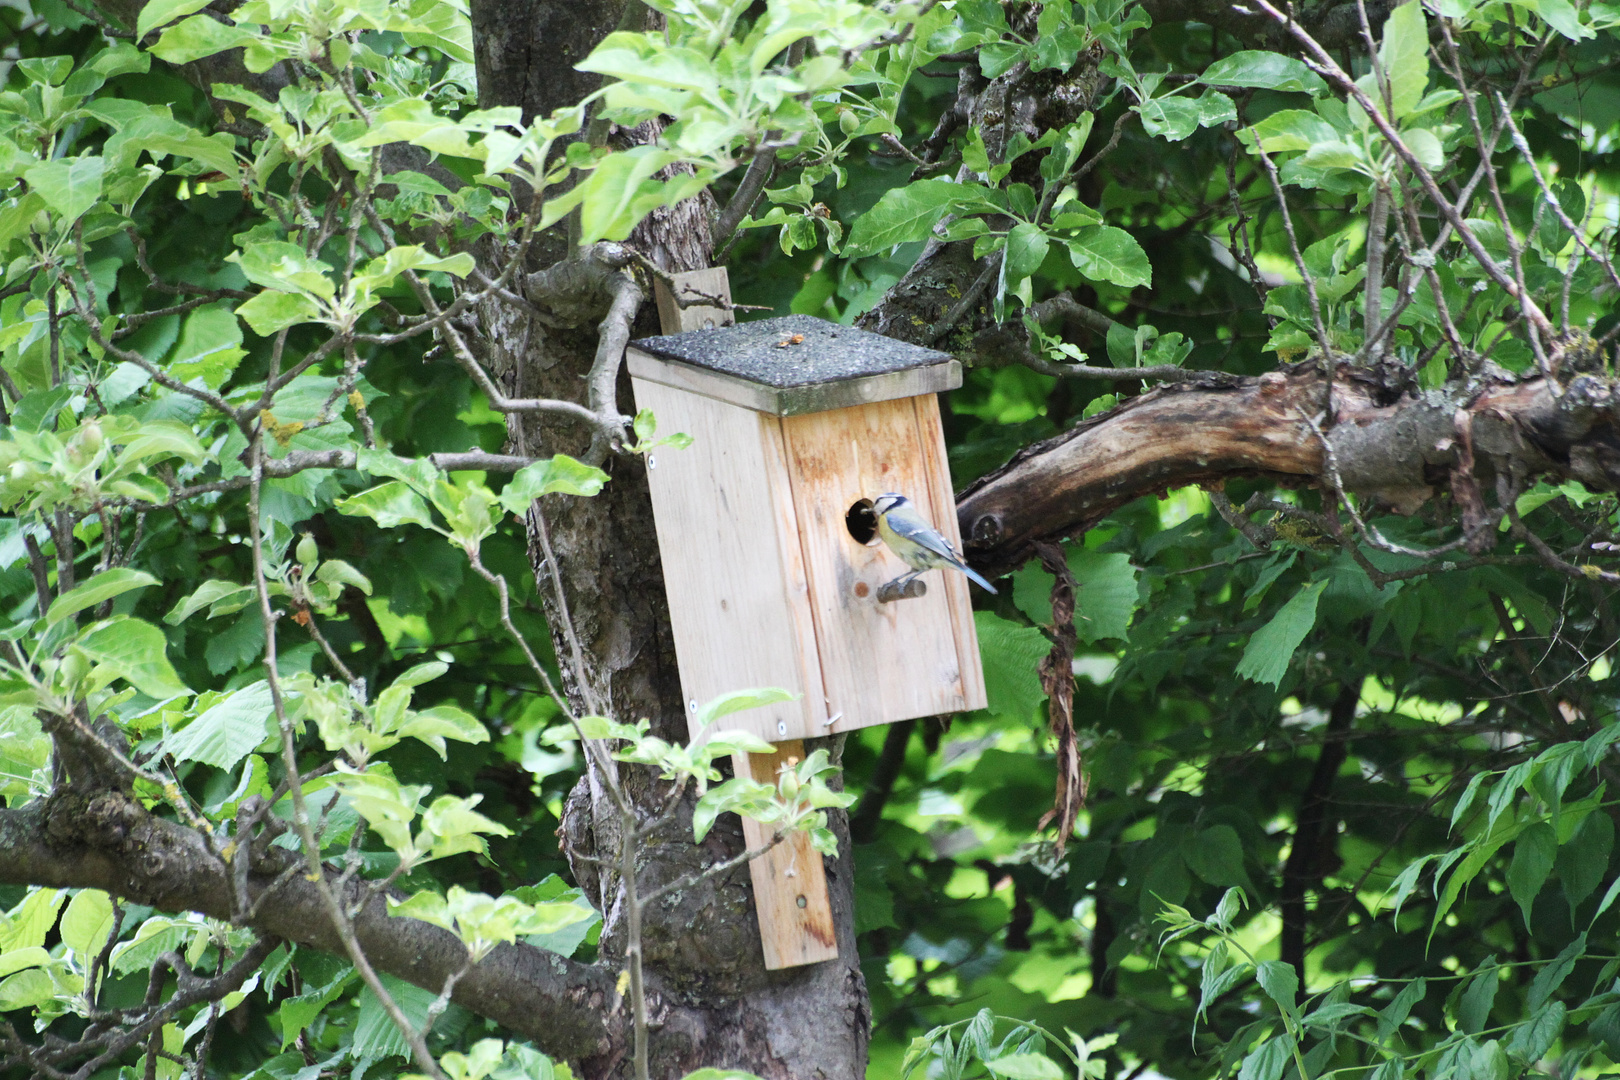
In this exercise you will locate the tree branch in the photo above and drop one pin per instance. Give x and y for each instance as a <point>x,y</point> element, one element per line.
<point>1386,444</point>
<point>108,841</point>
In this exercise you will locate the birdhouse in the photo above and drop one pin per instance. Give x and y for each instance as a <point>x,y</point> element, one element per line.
<point>774,574</point>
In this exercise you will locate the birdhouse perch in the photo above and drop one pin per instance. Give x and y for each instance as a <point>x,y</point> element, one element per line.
<point>772,573</point>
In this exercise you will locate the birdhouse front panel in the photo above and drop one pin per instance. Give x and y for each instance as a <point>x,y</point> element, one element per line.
<point>880,662</point>
<point>795,421</point>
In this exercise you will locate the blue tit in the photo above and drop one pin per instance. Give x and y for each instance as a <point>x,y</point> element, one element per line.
<point>918,544</point>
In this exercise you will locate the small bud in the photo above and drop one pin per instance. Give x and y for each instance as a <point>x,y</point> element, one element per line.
<point>73,669</point>
<point>306,550</point>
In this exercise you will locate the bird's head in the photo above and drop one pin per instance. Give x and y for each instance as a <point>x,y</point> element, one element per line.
<point>888,501</point>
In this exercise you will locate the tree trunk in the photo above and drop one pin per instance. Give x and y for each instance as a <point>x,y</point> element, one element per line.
<point>712,1003</point>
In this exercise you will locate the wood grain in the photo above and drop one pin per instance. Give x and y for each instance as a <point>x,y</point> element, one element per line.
<point>790,880</point>
<point>942,512</point>
<point>718,541</point>
<point>710,281</point>
<point>879,662</point>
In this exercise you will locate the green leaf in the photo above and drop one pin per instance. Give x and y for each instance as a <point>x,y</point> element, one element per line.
<point>1026,250</point>
<point>158,13</point>
<point>223,597</point>
<point>739,700</point>
<point>1553,974</point>
<point>621,190</point>
<point>271,311</point>
<point>1216,855</point>
<point>900,216</point>
<point>380,272</point>
<point>134,651</point>
<point>389,505</point>
<point>1404,56</point>
<point>1474,1007</point>
<point>297,1013</point>
<point>1533,1038</point>
<point>1104,253</point>
<point>1264,70</point>
<point>1270,648</point>
<point>1011,654</point>
<point>86,923</point>
<point>197,37</point>
<point>433,726</point>
<point>1533,855</point>
<point>26,990</point>
<point>375,1034</point>
<point>104,586</point>
<point>1107,595</point>
<point>276,264</point>
<point>1172,118</point>
<point>162,438</point>
<point>1025,1067</point>
<point>1280,982</point>
<point>1395,1013</point>
<point>1266,1061</point>
<point>228,731</point>
<point>121,58</point>
<point>1333,155</point>
<point>26,925</point>
<point>18,959</point>
<point>1583,862</point>
<point>1563,17</point>
<point>554,475</point>
<point>1288,129</point>
<point>70,187</point>
<point>210,347</point>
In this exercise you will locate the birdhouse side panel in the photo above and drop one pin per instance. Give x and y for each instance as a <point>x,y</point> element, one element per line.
<point>941,510</point>
<point>719,540</point>
<point>879,662</point>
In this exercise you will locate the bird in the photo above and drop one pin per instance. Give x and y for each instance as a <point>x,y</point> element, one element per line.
<point>918,544</point>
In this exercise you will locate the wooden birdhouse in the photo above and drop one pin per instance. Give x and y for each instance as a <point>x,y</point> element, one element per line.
<point>772,568</point>
<point>770,560</point>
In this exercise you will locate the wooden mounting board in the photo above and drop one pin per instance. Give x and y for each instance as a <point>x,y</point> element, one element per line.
<point>790,881</point>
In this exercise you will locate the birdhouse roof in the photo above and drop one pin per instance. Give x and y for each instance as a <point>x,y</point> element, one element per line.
<point>794,364</point>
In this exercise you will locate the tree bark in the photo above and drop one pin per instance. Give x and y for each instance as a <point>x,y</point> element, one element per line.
<point>1388,442</point>
<point>711,1000</point>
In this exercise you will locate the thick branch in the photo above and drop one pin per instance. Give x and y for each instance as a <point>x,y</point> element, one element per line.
<point>1396,447</point>
<point>108,841</point>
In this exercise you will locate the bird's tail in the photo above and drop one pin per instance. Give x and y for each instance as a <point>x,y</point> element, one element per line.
<point>985,584</point>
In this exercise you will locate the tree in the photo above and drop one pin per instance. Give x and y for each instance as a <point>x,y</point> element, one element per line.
<point>309,306</point>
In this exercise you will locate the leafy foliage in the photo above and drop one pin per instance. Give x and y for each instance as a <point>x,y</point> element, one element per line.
<point>1348,806</point>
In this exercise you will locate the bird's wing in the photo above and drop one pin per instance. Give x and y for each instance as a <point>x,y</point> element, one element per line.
<point>919,532</point>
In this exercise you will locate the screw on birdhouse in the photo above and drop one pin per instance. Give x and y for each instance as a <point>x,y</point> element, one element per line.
<point>802,902</point>
<point>652,461</point>
<point>692,704</point>
<point>901,589</point>
<point>781,727</point>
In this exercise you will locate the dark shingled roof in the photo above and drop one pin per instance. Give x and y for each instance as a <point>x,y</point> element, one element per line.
<point>828,353</point>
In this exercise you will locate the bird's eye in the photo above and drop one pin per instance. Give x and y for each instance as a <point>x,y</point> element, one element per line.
<point>861,521</point>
